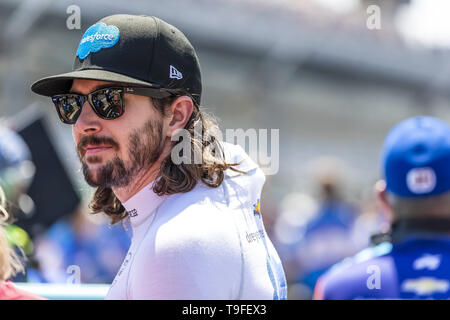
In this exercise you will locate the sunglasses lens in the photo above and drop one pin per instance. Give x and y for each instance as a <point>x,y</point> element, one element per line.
<point>108,103</point>
<point>68,107</point>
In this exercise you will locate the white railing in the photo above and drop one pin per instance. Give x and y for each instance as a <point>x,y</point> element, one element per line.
<point>66,291</point>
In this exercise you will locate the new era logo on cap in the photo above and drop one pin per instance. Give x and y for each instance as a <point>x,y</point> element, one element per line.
<point>421,180</point>
<point>175,74</point>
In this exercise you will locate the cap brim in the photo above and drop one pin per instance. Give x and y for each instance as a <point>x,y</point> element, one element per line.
<point>62,83</point>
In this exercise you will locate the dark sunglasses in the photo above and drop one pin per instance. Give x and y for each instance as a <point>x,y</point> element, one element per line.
<point>107,103</point>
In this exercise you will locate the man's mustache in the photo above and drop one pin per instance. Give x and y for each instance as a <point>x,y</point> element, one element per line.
<point>95,141</point>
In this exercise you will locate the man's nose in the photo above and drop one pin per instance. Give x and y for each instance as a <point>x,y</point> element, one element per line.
<point>88,122</point>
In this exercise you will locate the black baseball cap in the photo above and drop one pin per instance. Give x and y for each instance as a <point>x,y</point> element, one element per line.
<point>135,49</point>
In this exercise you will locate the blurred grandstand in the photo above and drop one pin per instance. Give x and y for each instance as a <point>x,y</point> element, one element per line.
<point>310,68</point>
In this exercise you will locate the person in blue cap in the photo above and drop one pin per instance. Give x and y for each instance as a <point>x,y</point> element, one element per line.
<point>412,260</point>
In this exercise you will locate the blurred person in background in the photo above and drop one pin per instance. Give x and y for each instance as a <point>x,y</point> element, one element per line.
<point>296,210</point>
<point>313,234</point>
<point>81,248</point>
<point>197,225</point>
<point>15,174</point>
<point>412,261</point>
<point>16,171</point>
<point>10,262</point>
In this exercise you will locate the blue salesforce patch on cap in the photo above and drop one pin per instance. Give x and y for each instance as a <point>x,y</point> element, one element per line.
<point>416,157</point>
<point>98,36</point>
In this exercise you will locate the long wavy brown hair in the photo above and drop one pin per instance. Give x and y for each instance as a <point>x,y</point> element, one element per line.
<point>10,263</point>
<point>177,178</point>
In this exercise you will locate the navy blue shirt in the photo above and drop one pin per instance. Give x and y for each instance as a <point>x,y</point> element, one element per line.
<point>418,267</point>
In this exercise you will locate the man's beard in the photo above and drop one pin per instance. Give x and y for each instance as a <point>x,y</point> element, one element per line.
<point>145,147</point>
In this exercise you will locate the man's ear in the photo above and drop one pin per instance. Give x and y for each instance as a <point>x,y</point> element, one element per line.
<point>180,112</point>
<point>381,193</point>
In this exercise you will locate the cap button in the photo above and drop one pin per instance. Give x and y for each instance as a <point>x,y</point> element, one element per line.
<point>419,149</point>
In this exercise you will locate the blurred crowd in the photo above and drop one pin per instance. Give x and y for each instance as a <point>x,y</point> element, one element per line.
<point>318,228</point>
<point>312,230</point>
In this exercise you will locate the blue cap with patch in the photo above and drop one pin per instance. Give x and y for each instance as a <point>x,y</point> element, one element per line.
<point>416,157</point>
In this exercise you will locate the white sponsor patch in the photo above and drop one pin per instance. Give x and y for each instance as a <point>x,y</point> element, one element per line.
<point>425,285</point>
<point>427,261</point>
<point>421,180</point>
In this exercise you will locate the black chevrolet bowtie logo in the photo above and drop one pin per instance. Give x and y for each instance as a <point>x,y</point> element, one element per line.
<point>133,213</point>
